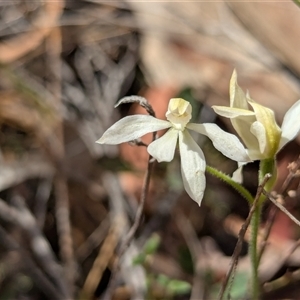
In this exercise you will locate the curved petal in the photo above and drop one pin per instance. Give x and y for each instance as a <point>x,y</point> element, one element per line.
<point>265,116</point>
<point>291,124</point>
<point>131,128</point>
<point>237,175</point>
<point>163,149</point>
<point>242,126</point>
<point>259,131</point>
<point>238,98</point>
<point>241,121</point>
<point>255,154</point>
<point>230,112</point>
<point>192,166</point>
<point>228,144</point>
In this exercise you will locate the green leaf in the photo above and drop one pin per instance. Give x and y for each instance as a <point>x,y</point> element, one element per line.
<point>163,280</point>
<point>178,287</point>
<point>239,289</point>
<point>139,259</point>
<point>185,259</point>
<point>152,244</point>
<point>240,285</point>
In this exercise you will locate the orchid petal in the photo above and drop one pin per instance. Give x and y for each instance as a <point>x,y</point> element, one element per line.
<point>242,127</point>
<point>259,131</point>
<point>231,112</point>
<point>255,154</point>
<point>266,117</point>
<point>192,166</point>
<point>227,143</point>
<point>131,128</point>
<point>241,121</point>
<point>291,124</point>
<point>238,98</point>
<point>179,113</point>
<point>163,149</point>
<point>237,175</point>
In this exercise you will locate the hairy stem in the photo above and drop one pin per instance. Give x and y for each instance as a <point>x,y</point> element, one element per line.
<point>238,187</point>
<point>267,166</point>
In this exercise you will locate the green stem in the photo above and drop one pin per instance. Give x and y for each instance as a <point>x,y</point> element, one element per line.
<point>253,251</point>
<point>266,166</point>
<point>297,2</point>
<point>238,187</point>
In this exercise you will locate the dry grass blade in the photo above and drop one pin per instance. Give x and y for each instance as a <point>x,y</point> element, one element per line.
<point>41,27</point>
<point>42,251</point>
<point>282,208</point>
<point>105,255</point>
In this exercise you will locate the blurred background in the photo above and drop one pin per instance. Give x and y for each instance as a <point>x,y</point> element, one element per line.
<point>66,203</point>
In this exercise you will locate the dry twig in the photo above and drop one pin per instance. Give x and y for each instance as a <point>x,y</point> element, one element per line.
<point>40,247</point>
<point>145,189</point>
<point>238,247</point>
<point>293,172</point>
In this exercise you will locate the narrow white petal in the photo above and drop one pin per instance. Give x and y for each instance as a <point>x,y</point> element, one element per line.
<point>131,128</point>
<point>228,144</point>
<point>255,154</point>
<point>192,166</point>
<point>237,175</point>
<point>238,98</point>
<point>259,132</point>
<point>163,149</point>
<point>291,124</point>
<point>242,126</point>
<point>231,112</point>
<point>241,121</point>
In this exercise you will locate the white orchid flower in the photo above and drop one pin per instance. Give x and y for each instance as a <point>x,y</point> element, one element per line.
<point>257,127</point>
<point>192,158</point>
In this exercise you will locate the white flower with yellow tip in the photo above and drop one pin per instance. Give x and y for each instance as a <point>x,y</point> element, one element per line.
<point>192,158</point>
<point>256,124</point>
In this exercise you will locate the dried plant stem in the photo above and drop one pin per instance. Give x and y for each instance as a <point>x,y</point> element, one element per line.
<point>145,189</point>
<point>10,51</point>
<point>62,215</point>
<point>282,208</point>
<point>30,267</point>
<point>293,172</point>
<point>287,278</point>
<point>41,249</point>
<point>104,256</point>
<point>60,183</point>
<point>140,209</point>
<point>128,238</point>
<point>271,218</point>
<point>242,232</point>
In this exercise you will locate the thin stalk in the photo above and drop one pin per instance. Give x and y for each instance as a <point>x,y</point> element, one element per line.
<point>246,194</point>
<point>255,221</point>
<point>130,235</point>
<point>267,166</point>
<point>238,187</point>
<point>234,260</point>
